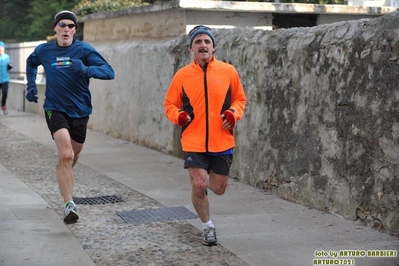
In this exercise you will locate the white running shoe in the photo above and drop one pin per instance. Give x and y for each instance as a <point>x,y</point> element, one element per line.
<point>209,236</point>
<point>70,214</point>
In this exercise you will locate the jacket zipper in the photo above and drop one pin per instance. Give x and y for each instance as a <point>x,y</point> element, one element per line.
<point>206,109</point>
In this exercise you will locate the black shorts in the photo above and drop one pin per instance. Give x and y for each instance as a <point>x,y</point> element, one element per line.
<point>77,127</point>
<point>220,164</point>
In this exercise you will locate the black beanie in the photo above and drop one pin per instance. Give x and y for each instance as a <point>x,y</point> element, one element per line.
<point>65,14</point>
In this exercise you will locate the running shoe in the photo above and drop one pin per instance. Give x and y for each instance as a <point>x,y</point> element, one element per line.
<point>5,111</point>
<point>70,214</point>
<point>209,236</point>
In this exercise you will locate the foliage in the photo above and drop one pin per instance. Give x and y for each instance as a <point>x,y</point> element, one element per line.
<point>97,6</point>
<point>45,10</point>
<point>23,20</point>
<point>15,26</point>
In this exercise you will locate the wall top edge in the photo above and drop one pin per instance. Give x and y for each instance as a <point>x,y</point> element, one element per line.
<point>20,45</point>
<point>258,7</point>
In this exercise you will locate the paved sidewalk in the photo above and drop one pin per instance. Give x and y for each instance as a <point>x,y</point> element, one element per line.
<point>254,227</point>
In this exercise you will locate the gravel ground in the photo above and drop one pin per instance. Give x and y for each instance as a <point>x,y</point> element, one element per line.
<point>103,234</point>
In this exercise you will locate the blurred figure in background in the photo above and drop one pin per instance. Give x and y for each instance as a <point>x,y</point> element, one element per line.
<point>4,76</point>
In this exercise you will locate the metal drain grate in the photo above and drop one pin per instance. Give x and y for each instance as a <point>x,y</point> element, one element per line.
<point>97,200</point>
<point>157,215</point>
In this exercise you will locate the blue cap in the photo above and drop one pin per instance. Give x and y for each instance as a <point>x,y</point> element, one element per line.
<point>201,29</point>
<point>2,44</point>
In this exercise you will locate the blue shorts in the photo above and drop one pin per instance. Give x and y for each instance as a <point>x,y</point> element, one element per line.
<point>219,164</point>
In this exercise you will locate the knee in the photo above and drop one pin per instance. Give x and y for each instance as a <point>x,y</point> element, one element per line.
<point>66,156</point>
<point>220,190</point>
<point>218,183</point>
<point>199,188</point>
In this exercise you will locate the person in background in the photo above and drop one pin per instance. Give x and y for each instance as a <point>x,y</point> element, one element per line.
<point>206,99</point>
<point>4,76</point>
<point>69,64</point>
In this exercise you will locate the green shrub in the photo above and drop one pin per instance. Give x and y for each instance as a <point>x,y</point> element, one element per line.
<point>97,6</point>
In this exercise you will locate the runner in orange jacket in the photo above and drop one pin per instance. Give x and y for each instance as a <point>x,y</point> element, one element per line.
<point>206,99</point>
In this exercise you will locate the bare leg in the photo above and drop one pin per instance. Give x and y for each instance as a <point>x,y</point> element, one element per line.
<point>199,199</point>
<point>77,148</point>
<point>217,183</point>
<point>68,153</point>
<point>200,180</point>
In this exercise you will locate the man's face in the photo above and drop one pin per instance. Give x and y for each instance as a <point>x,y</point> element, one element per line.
<point>65,34</point>
<point>202,47</point>
<point>1,49</point>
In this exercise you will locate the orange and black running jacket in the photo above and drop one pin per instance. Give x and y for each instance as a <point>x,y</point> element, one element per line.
<point>205,95</point>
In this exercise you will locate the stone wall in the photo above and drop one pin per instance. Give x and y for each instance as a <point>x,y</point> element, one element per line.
<point>322,121</point>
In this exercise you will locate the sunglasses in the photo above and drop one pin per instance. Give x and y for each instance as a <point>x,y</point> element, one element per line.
<point>63,25</point>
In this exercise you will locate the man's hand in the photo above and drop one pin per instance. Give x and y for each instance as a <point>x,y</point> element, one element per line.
<point>31,93</point>
<point>183,119</point>
<point>228,119</point>
<point>78,66</point>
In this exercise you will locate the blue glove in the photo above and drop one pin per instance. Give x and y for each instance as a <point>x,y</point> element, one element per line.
<point>78,66</point>
<point>31,93</point>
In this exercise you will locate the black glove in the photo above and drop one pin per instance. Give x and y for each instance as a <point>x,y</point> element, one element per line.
<point>9,67</point>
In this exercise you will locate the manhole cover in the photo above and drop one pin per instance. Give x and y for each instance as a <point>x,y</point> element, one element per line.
<point>157,215</point>
<point>97,200</point>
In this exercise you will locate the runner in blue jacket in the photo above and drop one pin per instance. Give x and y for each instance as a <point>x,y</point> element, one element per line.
<point>69,64</point>
<point>4,76</point>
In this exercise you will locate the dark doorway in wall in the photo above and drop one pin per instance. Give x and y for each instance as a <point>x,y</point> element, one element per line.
<point>284,21</point>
